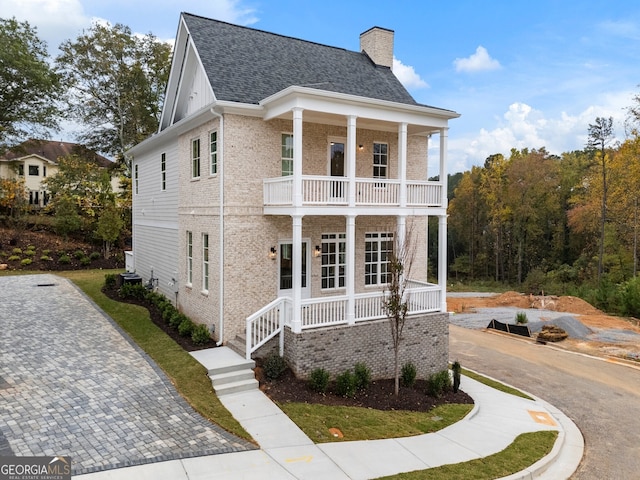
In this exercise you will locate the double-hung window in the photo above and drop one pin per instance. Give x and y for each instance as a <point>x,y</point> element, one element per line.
<point>205,262</point>
<point>135,178</point>
<point>380,160</point>
<point>163,171</point>
<point>195,158</point>
<point>34,171</point>
<point>189,258</point>
<point>334,259</point>
<point>377,251</point>
<point>213,153</point>
<point>287,154</point>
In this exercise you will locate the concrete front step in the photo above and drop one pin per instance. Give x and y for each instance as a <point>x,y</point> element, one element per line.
<point>229,372</point>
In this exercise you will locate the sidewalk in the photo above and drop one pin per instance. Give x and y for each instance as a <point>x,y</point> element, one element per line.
<point>287,453</point>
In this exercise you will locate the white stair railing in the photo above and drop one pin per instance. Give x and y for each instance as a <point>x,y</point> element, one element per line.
<point>266,323</point>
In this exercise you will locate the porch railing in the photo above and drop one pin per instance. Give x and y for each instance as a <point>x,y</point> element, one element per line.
<point>324,190</point>
<point>269,321</point>
<point>266,323</point>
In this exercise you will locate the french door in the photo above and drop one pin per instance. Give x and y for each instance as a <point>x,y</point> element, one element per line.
<point>285,277</point>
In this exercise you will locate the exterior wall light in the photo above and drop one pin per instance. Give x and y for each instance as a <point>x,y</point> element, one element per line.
<point>272,253</point>
<point>361,147</point>
<point>318,251</point>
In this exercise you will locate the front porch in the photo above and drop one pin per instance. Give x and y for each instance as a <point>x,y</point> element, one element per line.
<point>315,313</point>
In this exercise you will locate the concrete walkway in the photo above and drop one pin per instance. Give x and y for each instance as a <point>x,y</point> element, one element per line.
<point>287,453</point>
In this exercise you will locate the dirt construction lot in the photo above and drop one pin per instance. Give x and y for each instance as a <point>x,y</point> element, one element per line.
<point>607,335</point>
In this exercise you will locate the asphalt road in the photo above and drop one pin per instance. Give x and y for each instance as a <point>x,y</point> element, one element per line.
<point>601,397</point>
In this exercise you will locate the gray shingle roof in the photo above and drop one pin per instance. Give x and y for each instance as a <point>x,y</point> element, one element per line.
<point>248,65</point>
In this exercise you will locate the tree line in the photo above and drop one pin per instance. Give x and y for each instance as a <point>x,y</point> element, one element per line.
<point>564,224</point>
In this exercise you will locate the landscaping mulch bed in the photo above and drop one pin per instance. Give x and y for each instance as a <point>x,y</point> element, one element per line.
<point>379,395</point>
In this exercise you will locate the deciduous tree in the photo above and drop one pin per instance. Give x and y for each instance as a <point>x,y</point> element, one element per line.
<point>29,87</point>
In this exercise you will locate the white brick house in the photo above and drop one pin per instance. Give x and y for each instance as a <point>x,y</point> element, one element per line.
<point>281,171</point>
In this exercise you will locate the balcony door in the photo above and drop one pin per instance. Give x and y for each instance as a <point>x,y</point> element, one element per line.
<point>336,169</point>
<point>285,276</point>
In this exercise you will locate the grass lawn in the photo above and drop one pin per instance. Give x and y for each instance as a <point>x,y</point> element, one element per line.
<point>357,423</point>
<point>525,450</point>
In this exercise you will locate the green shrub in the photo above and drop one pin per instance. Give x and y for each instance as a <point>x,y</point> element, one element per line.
<point>346,384</point>
<point>78,254</point>
<point>319,380</point>
<point>13,258</point>
<point>46,252</point>
<point>29,253</point>
<point>95,255</point>
<point>274,366</point>
<point>26,261</point>
<point>438,383</point>
<point>169,311</point>
<point>176,318</point>
<point>521,318</point>
<point>17,251</point>
<point>362,375</point>
<point>457,369</point>
<point>31,247</point>
<point>64,259</point>
<point>200,334</point>
<point>185,329</point>
<point>84,261</point>
<point>46,258</point>
<point>630,297</point>
<point>408,374</point>
<point>110,280</point>
<point>132,290</point>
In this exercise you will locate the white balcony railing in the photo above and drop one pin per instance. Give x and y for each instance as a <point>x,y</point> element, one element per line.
<point>331,191</point>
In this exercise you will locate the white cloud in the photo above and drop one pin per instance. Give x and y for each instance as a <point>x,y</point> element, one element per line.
<point>522,126</point>
<point>477,62</point>
<point>407,75</point>
<point>56,20</point>
<point>231,11</point>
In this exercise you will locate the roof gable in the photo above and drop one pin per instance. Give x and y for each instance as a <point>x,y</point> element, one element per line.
<point>247,65</point>
<point>51,150</point>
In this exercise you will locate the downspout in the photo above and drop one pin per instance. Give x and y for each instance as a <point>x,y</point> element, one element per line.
<point>221,227</point>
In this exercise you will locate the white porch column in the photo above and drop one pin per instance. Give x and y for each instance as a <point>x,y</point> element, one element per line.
<point>442,261</point>
<point>444,134</point>
<point>402,162</point>
<point>297,273</point>
<point>351,158</point>
<point>351,269</point>
<point>297,157</point>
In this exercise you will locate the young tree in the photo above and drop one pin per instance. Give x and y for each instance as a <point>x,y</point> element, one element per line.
<point>109,226</point>
<point>600,134</point>
<point>116,84</point>
<point>395,302</point>
<point>29,87</point>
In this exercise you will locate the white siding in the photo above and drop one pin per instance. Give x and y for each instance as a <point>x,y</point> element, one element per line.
<point>155,216</point>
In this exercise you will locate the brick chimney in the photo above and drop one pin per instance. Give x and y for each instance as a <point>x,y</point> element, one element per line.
<point>377,42</point>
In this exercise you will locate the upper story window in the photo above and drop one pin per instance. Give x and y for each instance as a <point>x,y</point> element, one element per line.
<point>380,160</point>
<point>135,178</point>
<point>195,158</point>
<point>163,171</point>
<point>34,171</point>
<point>21,170</point>
<point>44,170</point>
<point>334,260</point>
<point>377,254</point>
<point>213,153</point>
<point>287,154</point>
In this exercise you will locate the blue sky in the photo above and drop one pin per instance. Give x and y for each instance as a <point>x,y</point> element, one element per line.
<point>521,74</point>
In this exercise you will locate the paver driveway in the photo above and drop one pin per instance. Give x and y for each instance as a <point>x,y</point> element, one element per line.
<point>72,384</point>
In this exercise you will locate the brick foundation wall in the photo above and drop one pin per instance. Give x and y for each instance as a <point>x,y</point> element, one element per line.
<point>425,343</point>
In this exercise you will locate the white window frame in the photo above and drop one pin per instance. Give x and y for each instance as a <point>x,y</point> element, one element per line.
<point>213,153</point>
<point>377,161</point>
<point>376,260</point>
<point>195,158</point>
<point>163,171</point>
<point>285,149</point>
<point>205,263</point>
<point>189,258</point>
<point>136,178</point>
<point>334,261</point>
<point>35,168</point>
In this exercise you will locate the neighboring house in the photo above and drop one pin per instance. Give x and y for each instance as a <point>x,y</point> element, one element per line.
<point>269,199</point>
<point>35,160</point>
